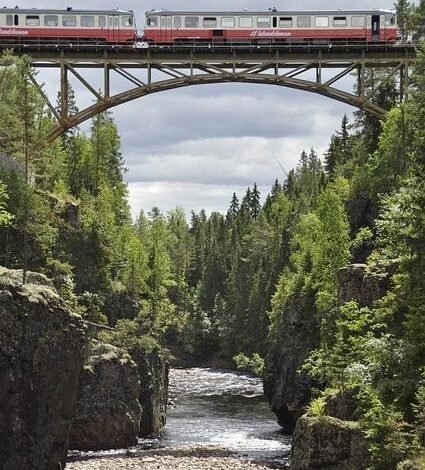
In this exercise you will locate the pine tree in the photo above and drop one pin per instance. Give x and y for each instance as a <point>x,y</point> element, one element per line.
<point>254,202</point>
<point>233,208</point>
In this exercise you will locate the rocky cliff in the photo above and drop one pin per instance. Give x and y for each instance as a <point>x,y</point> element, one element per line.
<point>357,283</point>
<point>108,411</point>
<point>287,389</point>
<point>42,348</point>
<point>297,335</point>
<point>153,371</point>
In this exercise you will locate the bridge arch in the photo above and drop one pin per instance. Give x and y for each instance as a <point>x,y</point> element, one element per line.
<point>187,68</point>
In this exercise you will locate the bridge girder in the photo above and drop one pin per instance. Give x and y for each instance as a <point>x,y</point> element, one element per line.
<point>167,69</point>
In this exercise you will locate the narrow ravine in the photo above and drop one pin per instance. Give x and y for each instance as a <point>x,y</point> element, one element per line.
<point>216,419</point>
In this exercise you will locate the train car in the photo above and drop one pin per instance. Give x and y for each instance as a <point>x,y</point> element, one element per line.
<point>171,27</point>
<point>83,26</point>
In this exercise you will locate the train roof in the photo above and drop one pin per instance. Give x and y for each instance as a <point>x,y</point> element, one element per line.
<point>46,11</point>
<point>267,12</point>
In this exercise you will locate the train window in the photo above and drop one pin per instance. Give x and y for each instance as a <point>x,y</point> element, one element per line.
<point>263,22</point>
<point>228,22</point>
<point>285,22</point>
<point>9,20</point>
<point>32,20</point>
<point>210,22</point>
<point>340,21</point>
<point>389,20</point>
<point>165,21</point>
<point>152,21</point>
<point>177,20</point>
<point>87,21</point>
<point>358,21</point>
<point>191,22</point>
<point>69,20</point>
<point>127,21</point>
<point>51,20</point>
<point>116,22</point>
<point>245,21</point>
<point>322,21</point>
<point>304,21</point>
<point>101,21</point>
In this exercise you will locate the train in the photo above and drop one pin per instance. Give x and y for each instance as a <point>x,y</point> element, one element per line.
<point>170,27</point>
<point>165,27</point>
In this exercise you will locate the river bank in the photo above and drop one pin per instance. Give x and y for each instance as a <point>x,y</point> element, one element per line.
<point>195,457</point>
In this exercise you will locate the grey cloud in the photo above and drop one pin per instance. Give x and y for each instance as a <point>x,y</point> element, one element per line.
<point>159,121</point>
<point>192,196</point>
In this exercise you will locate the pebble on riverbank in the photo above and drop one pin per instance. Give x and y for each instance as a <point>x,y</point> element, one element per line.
<point>180,458</point>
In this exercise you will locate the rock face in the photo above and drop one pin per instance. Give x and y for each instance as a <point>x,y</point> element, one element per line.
<point>327,443</point>
<point>120,305</point>
<point>355,283</point>
<point>108,411</point>
<point>42,348</point>
<point>288,391</point>
<point>343,405</point>
<point>153,371</point>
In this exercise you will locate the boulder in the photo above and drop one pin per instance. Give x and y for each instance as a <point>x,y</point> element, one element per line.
<point>328,443</point>
<point>287,389</point>
<point>42,346</point>
<point>108,411</point>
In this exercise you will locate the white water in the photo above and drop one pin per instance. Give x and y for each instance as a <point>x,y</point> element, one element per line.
<point>224,408</point>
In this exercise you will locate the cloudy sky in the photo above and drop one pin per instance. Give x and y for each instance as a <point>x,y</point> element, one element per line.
<point>195,146</point>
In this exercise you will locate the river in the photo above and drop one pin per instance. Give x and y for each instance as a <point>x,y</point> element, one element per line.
<point>224,408</point>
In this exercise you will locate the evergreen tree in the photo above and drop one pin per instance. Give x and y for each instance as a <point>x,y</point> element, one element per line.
<point>254,202</point>
<point>233,208</point>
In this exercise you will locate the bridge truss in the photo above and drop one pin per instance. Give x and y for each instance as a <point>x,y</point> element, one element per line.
<point>145,71</point>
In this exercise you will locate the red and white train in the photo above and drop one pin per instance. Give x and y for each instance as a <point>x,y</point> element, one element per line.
<point>164,27</point>
<point>104,26</point>
<point>167,27</point>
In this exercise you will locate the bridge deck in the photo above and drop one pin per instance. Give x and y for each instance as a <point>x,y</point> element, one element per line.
<point>332,56</point>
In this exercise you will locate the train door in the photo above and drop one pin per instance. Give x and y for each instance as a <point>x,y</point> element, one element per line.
<point>376,27</point>
<point>165,26</point>
<point>113,27</point>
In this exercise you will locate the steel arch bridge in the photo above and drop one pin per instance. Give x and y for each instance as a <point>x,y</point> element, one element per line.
<point>318,69</point>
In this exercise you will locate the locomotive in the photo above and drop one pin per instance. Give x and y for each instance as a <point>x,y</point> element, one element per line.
<point>165,27</point>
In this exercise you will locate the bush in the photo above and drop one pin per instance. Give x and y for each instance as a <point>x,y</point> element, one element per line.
<point>254,364</point>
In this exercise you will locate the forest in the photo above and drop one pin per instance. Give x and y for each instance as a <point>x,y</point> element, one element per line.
<point>214,288</point>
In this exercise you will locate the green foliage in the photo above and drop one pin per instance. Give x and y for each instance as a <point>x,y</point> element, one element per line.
<point>388,434</point>
<point>254,364</point>
<point>419,413</point>
<point>405,18</point>
<point>5,217</point>
<point>129,335</point>
<point>320,245</point>
<point>391,161</point>
<point>316,407</point>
